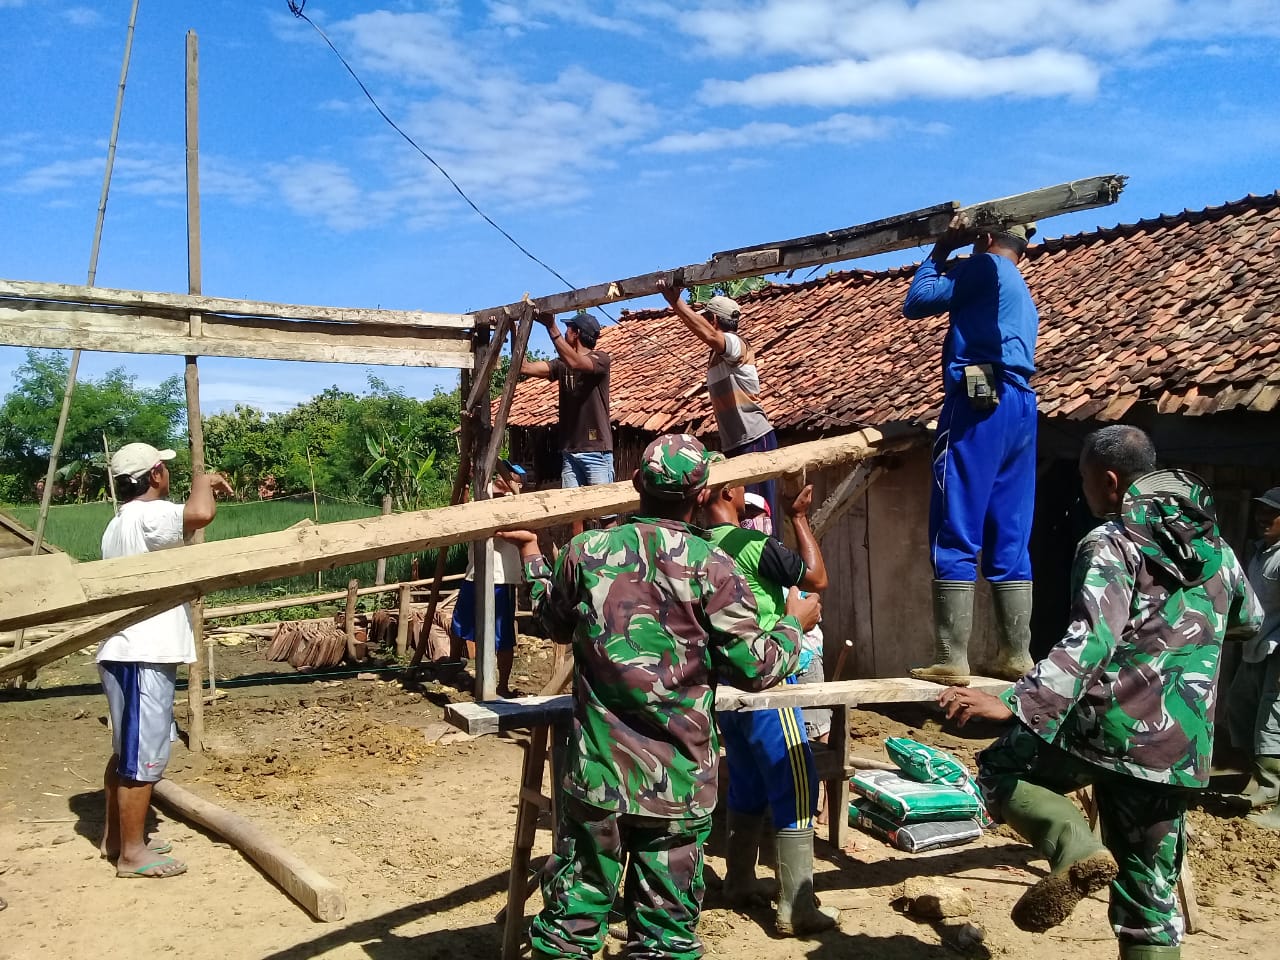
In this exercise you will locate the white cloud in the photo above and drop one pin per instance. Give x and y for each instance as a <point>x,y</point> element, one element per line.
<point>509,140</point>
<point>839,128</point>
<point>934,74</point>
<point>517,16</point>
<point>871,51</point>
<point>82,16</point>
<point>829,29</point>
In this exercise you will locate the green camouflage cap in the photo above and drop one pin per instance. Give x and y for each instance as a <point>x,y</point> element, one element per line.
<point>675,466</point>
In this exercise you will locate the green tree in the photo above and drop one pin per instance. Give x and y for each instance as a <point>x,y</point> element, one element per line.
<point>113,404</point>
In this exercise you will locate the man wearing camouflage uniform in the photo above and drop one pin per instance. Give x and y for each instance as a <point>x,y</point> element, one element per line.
<point>655,614</point>
<point>1125,701</point>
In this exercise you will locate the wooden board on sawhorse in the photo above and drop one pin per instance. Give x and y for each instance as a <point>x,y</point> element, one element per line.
<point>548,710</point>
<point>547,742</point>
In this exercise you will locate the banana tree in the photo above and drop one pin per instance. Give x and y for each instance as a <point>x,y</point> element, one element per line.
<point>401,465</point>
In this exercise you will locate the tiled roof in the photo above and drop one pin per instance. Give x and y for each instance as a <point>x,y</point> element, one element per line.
<point>1177,311</point>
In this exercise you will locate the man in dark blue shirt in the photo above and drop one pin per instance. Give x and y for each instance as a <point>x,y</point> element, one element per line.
<point>984,455</point>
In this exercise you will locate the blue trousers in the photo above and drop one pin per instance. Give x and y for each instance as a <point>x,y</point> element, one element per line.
<point>770,765</point>
<point>504,614</point>
<point>984,484</point>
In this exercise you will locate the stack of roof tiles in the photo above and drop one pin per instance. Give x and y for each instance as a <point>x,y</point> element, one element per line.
<point>1177,312</point>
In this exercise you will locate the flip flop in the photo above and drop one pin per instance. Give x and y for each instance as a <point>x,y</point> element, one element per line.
<point>142,874</point>
<point>155,846</point>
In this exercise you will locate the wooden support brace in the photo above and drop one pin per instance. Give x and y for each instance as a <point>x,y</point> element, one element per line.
<point>317,894</point>
<point>349,619</point>
<point>402,620</point>
<point>77,638</point>
<point>845,496</point>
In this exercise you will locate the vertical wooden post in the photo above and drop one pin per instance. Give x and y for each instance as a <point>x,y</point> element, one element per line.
<point>403,619</point>
<point>482,550</point>
<point>380,577</point>
<point>46,496</point>
<point>350,616</point>
<point>195,425</point>
<point>315,509</point>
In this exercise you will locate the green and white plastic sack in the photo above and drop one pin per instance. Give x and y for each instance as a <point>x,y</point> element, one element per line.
<point>919,761</point>
<point>912,837</point>
<point>909,801</point>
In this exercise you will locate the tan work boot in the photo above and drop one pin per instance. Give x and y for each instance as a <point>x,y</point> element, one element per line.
<point>1013,618</point>
<point>1079,865</point>
<point>798,911</point>
<point>953,625</point>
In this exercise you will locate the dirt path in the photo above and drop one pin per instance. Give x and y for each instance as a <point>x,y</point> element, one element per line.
<point>418,835</point>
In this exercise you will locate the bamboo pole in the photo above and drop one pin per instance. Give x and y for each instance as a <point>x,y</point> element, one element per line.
<point>315,508</point>
<point>195,424</point>
<point>349,619</point>
<point>380,573</point>
<point>111,481</point>
<point>46,495</point>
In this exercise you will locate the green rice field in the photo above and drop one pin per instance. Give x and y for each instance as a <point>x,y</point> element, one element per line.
<point>77,529</point>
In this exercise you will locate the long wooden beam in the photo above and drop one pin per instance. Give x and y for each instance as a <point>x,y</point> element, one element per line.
<point>76,639</point>
<point>30,323</point>
<point>181,303</point>
<point>879,236</point>
<point>498,716</point>
<point>35,590</point>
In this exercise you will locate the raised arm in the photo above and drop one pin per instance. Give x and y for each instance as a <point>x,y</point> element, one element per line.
<point>931,289</point>
<point>201,507</point>
<point>568,354</point>
<point>698,325</point>
<point>815,570</point>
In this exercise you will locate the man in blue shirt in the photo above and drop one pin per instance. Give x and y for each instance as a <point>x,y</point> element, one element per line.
<point>984,455</point>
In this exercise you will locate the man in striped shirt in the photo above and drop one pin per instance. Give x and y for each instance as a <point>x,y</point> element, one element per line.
<point>733,383</point>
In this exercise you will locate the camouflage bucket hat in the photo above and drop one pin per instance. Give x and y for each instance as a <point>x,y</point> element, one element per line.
<point>674,466</point>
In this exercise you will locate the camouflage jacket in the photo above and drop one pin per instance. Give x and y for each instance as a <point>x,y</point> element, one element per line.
<point>654,613</point>
<point>1132,685</point>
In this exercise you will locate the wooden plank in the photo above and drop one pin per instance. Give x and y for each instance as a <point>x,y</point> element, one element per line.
<point>26,325</point>
<point>76,639</point>
<point>319,895</point>
<point>864,240</point>
<point>179,303</point>
<point>35,590</point>
<point>498,716</point>
<point>845,496</point>
<point>235,610</point>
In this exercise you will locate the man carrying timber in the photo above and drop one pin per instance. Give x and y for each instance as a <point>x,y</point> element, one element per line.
<point>655,614</point>
<point>733,383</point>
<point>984,454</point>
<point>1125,701</point>
<point>582,371</point>
<point>139,665</point>
<point>771,767</point>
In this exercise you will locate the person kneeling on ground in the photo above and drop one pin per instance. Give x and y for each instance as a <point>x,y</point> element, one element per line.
<point>654,613</point>
<point>139,665</point>
<point>1124,701</point>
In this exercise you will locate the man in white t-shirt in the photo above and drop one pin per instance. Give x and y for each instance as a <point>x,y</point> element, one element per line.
<point>733,383</point>
<point>139,665</point>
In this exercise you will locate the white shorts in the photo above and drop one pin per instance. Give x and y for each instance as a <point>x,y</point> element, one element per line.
<point>140,699</point>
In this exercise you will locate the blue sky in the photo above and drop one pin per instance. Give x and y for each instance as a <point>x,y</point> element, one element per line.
<point>610,138</point>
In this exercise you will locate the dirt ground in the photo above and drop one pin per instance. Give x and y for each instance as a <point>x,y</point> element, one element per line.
<point>363,780</point>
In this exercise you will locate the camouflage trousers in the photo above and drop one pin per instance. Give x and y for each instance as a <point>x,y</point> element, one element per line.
<point>662,862</point>
<point>1143,825</point>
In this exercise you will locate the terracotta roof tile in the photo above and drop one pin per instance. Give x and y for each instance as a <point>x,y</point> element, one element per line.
<point>1176,311</point>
